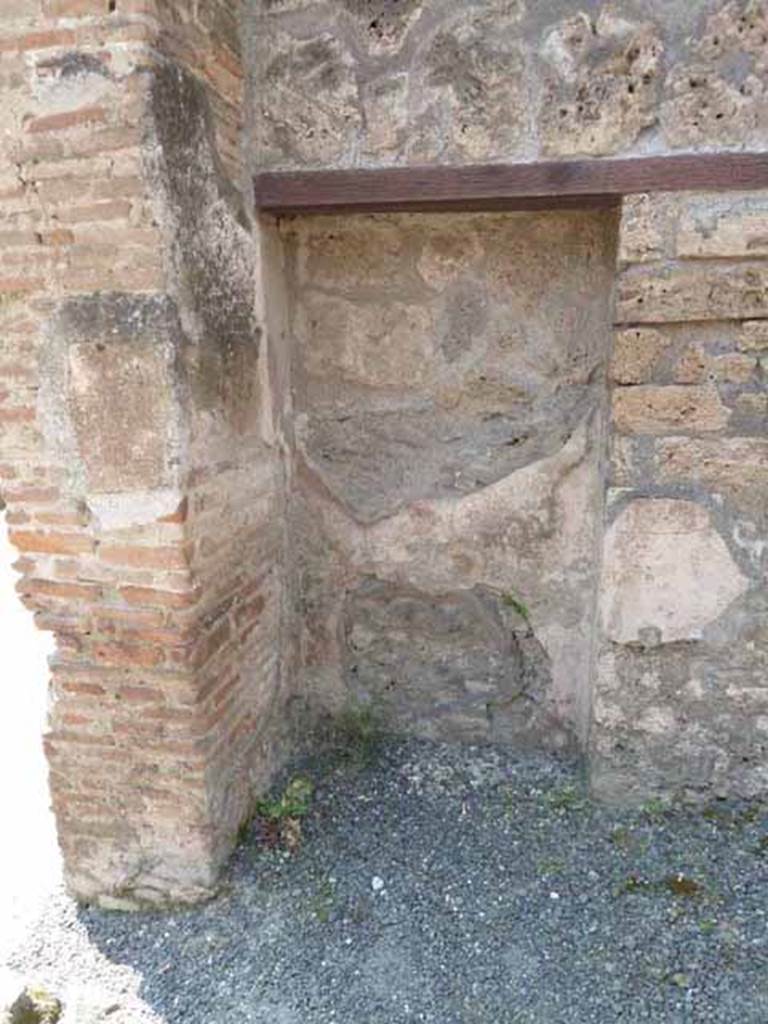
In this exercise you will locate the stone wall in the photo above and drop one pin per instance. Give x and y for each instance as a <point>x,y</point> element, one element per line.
<point>681,695</point>
<point>377,82</point>
<point>678,705</point>
<point>371,458</point>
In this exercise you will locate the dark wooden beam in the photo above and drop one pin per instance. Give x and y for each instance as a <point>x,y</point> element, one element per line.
<point>541,185</point>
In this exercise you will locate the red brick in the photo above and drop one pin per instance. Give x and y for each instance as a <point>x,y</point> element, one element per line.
<point>9,285</point>
<point>148,7</point>
<point>53,622</point>
<point>145,557</point>
<point>25,566</point>
<point>128,654</point>
<point>38,40</point>
<point>74,718</point>
<point>250,611</point>
<point>139,695</point>
<point>18,372</point>
<point>114,188</point>
<point>113,619</point>
<point>199,654</point>
<point>81,689</point>
<point>17,238</point>
<point>32,495</point>
<point>51,543</point>
<point>16,518</point>
<point>108,210</point>
<point>67,119</point>
<point>80,518</point>
<point>51,588</point>
<point>75,8</point>
<point>139,279</point>
<point>58,236</point>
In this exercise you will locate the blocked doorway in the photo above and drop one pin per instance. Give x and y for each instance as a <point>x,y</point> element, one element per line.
<point>448,388</point>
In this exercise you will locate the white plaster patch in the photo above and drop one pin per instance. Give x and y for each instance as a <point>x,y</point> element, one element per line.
<point>666,568</point>
<point>132,508</point>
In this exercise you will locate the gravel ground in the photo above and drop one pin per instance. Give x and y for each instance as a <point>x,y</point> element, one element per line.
<point>446,885</point>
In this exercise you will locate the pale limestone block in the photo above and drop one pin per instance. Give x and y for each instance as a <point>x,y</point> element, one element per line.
<point>754,336</point>
<point>648,409</point>
<point>635,354</point>
<point>736,466</point>
<point>725,228</point>
<point>646,227</point>
<point>121,403</point>
<point>696,366</point>
<point>684,293</point>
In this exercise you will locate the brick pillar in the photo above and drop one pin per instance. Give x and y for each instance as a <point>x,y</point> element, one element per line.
<point>141,476</point>
<point>681,704</point>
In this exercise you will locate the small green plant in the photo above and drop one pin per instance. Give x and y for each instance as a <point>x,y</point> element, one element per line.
<point>563,798</point>
<point>620,837</point>
<point>356,733</point>
<point>707,925</point>
<point>294,802</point>
<point>511,601</point>
<point>655,810</point>
<point>635,884</point>
<point>280,817</point>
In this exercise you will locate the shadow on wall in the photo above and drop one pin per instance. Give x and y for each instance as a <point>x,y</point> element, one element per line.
<point>29,864</point>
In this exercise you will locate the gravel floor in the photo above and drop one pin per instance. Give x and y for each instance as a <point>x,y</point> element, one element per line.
<point>445,885</point>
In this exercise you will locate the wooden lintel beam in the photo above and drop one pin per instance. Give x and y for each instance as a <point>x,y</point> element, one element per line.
<point>548,184</point>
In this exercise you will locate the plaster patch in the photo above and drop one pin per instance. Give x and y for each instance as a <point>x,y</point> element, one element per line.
<point>132,508</point>
<point>653,551</point>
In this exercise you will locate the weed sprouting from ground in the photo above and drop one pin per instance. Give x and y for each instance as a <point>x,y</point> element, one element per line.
<point>294,802</point>
<point>564,798</point>
<point>655,811</point>
<point>279,818</point>
<point>354,735</point>
<point>351,738</point>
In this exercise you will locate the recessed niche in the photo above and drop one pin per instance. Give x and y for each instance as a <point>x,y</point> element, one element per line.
<point>448,384</point>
